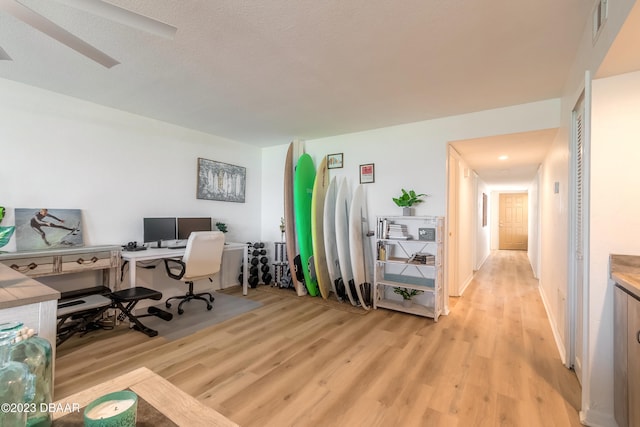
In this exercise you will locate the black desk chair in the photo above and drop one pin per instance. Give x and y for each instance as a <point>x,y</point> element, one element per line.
<point>201,260</point>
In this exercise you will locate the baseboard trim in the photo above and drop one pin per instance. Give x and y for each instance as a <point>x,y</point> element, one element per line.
<point>594,418</point>
<point>554,327</point>
<point>465,285</point>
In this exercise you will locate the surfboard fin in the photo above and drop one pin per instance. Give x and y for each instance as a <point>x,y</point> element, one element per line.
<point>312,269</point>
<point>340,289</point>
<point>298,264</point>
<point>366,293</point>
<point>354,291</point>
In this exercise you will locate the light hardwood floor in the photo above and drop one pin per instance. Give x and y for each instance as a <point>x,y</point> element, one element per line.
<point>492,361</point>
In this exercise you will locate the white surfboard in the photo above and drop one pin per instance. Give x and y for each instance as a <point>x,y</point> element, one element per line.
<point>342,237</point>
<point>360,245</point>
<point>330,245</point>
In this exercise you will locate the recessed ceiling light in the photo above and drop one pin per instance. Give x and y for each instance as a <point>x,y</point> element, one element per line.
<point>503,157</point>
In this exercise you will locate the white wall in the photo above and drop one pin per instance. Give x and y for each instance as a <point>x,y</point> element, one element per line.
<point>467,231</point>
<point>533,251</point>
<point>411,156</point>
<point>615,208</point>
<point>597,395</point>
<point>61,152</point>
<point>554,229</point>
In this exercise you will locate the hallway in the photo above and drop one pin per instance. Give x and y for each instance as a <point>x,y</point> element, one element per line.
<point>512,346</point>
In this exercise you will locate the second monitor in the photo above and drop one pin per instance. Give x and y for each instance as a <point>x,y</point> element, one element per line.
<point>187,225</point>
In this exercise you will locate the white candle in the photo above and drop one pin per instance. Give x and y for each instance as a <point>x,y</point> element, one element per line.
<point>109,408</point>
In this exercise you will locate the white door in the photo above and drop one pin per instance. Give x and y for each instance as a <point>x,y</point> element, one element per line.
<point>579,236</point>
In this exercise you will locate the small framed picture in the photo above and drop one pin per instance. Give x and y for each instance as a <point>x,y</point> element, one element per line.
<point>334,161</point>
<point>367,173</point>
<point>427,234</point>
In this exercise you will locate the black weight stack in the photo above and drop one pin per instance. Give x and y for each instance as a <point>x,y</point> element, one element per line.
<point>258,263</point>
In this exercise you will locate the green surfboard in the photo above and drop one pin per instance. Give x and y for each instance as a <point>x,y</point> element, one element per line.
<point>303,180</point>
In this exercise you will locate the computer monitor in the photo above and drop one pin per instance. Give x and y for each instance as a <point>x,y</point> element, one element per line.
<point>159,229</point>
<point>187,225</point>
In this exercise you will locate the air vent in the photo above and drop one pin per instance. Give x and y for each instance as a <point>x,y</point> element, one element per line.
<point>599,17</point>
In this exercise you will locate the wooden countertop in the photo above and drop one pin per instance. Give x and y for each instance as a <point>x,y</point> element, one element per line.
<point>16,289</point>
<point>174,403</point>
<point>625,271</point>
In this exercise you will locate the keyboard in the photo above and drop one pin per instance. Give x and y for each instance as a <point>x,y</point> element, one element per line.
<point>177,247</point>
<point>135,249</point>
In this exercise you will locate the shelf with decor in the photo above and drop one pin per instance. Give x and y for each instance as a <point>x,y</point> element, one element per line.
<point>409,265</point>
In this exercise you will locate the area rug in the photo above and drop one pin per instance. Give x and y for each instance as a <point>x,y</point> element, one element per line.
<point>330,302</point>
<point>197,317</point>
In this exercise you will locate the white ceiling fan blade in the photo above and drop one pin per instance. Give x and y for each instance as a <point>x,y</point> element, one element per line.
<point>4,56</point>
<point>56,32</point>
<point>123,16</point>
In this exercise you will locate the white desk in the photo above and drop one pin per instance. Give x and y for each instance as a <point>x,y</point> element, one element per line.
<point>161,253</point>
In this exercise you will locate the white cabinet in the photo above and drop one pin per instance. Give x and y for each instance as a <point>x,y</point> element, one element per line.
<point>410,254</point>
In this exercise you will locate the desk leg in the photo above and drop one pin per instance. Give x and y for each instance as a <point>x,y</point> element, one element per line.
<point>132,273</point>
<point>245,272</point>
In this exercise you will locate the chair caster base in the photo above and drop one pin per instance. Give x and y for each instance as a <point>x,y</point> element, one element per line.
<point>155,311</point>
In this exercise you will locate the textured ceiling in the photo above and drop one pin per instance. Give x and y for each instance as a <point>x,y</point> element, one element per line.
<point>265,72</point>
<point>524,151</point>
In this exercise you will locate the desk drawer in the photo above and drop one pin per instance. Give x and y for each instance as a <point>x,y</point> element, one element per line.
<point>32,267</point>
<point>87,261</point>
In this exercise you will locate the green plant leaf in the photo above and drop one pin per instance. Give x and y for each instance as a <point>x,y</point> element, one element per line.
<point>408,198</point>
<point>5,234</point>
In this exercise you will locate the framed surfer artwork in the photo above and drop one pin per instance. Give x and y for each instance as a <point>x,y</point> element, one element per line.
<point>43,228</point>
<point>221,181</point>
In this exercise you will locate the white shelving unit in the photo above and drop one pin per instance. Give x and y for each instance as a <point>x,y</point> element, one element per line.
<point>410,254</point>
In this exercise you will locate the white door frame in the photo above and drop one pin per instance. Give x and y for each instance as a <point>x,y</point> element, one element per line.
<point>451,220</point>
<point>572,328</point>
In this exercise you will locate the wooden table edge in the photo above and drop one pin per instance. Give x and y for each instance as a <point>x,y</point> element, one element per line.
<point>174,403</point>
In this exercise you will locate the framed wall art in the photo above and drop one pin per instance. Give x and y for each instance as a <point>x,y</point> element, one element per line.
<point>42,228</point>
<point>334,161</point>
<point>484,209</point>
<point>367,173</point>
<point>221,181</point>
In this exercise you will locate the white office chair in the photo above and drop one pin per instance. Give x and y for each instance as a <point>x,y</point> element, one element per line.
<point>201,260</point>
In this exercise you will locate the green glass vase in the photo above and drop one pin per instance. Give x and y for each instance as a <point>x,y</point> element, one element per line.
<point>35,352</point>
<point>17,383</point>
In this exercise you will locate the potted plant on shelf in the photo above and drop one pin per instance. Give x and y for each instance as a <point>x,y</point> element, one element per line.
<point>407,294</point>
<point>407,199</point>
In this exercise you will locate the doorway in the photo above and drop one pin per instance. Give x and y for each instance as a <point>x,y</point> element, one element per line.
<point>513,222</point>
